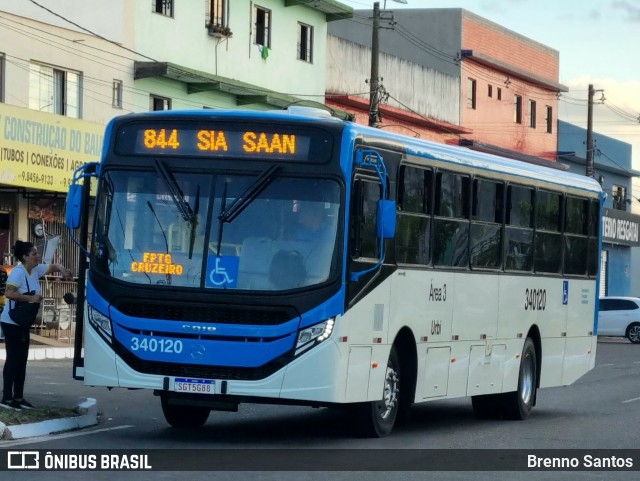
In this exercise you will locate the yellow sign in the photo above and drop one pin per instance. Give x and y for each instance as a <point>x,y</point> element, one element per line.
<point>42,150</point>
<point>157,263</point>
<point>233,143</point>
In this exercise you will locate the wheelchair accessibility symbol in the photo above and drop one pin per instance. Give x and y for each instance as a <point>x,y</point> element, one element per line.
<point>222,272</point>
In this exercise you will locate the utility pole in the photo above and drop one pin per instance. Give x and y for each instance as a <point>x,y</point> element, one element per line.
<point>374,117</point>
<point>590,168</point>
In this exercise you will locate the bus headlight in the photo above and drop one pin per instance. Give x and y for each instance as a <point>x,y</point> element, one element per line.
<point>101,323</point>
<point>318,332</point>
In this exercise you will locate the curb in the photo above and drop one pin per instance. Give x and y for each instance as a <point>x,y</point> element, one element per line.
<point>41,353</point>
<point>88,417</point>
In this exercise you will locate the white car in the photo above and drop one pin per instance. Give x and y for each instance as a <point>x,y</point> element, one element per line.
<point>620,316</point>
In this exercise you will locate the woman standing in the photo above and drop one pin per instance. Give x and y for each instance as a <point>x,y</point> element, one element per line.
<point>23,284</point>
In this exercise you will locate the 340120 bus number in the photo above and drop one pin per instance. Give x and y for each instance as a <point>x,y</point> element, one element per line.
<point>169,346</point>
<point>535,299</point>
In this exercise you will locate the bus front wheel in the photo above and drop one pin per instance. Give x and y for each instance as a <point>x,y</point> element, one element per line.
<point>376,418</point>
<point>184,417</point>
<point>517,405</point>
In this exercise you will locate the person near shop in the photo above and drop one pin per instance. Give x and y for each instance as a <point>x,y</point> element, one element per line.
<point>23,285</point>
<point>3,284</point>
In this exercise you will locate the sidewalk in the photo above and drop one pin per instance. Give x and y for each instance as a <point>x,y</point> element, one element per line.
<point>43,348</point>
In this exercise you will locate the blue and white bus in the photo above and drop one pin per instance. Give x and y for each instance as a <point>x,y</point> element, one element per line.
<point>289,257</point>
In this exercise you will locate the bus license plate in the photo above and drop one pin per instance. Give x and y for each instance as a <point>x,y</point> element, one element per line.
<point>205,386</point>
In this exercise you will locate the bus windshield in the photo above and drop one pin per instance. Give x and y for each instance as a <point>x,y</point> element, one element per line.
<point>283,237</point>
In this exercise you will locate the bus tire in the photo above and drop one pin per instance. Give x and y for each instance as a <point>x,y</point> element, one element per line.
<point>184,417</point>
<point>377,418</point>
<point>517,405</point>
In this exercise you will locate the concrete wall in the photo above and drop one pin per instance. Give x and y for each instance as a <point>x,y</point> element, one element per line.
<point>620,271</point>
<point>429,37</point>
<point>416,62</point>
<point>424,90</point>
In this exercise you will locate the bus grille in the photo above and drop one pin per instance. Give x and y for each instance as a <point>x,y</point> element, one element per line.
<point>204,313</point>
<point>202,371</point>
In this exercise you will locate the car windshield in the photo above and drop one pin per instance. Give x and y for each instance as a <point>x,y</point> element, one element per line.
<point>173,228</point>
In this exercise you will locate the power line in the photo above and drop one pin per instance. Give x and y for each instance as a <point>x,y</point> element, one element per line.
<point>91,32</point>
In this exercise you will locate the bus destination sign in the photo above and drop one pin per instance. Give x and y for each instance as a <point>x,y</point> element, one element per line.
<point>257,142</point>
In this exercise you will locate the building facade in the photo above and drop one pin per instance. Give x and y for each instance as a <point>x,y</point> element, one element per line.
<point>458,78</point>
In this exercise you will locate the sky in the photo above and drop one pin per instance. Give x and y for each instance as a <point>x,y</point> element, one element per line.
<point>597,41</point>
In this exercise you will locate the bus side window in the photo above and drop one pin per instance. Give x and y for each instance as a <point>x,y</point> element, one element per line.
<point>519,229</point>
<point>576,241</point>
<point>451,220</point>
<point>548,237</point>
<point>413,230</point>
<point>364,241</point>
<point>486,224</point>
<point>593,229</point>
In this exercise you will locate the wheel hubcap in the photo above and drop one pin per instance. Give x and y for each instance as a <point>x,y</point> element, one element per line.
<point>634,334</point>
<point>390,394</point>
<point>527,380</point>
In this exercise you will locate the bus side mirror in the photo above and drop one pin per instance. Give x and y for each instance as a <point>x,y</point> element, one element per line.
<point>74,206</point>
<point>386,219</point>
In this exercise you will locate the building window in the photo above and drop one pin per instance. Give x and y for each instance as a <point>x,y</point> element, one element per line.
<point>549,119</point>
<point>159,103</point>
<point>518,109</point>
<point>305,42</point>
<point>117,94</point>
<point>471,93</point>
<point>490,91</point>
<point>54,90</point>
<point>532,114</point>
<point>499,93</point>
<point>619,195</point>
<point>218,13</point>
<point>163,7</point>
<point>262,26</point>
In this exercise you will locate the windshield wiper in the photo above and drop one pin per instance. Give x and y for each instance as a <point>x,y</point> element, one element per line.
<point>175,191</point>
<point>248,196</point>
<point>188,214</point>
<point>194,222</point>
<point>241,202</point>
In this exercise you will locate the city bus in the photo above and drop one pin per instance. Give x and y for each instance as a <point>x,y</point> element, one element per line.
<point>427,271</point>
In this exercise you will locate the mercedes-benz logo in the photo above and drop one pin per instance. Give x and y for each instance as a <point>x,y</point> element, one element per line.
<point>197,352</point>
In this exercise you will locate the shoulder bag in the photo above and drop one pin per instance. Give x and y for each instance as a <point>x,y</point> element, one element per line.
<point>24,313</point>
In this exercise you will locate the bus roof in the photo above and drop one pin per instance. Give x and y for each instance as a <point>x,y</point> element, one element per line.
<point>479,160</point>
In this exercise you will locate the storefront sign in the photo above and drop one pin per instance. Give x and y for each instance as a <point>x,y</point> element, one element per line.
<point>42,150</point>
<point>620,227</point>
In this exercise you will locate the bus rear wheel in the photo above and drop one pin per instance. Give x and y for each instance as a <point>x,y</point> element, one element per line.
<point>377,418</point>
<point>517,405</point>
<point>184,417</point>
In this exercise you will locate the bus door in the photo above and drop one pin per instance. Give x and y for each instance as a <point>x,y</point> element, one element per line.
<point>372,220</point>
